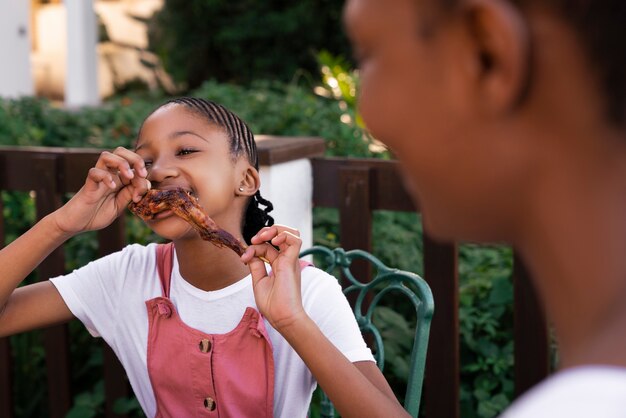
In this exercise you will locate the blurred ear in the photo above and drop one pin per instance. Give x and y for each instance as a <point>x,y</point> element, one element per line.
<point>249,181</point>
<point>499,52</point>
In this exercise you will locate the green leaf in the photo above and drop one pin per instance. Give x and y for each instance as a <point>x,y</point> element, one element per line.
<point>81,411</point>
<point>501,292</point>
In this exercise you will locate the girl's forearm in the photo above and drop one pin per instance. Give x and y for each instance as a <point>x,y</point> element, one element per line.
<point>22,256</point>
<point>352,393</point>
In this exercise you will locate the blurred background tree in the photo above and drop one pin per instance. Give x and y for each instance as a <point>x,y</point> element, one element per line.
<point>245,40</point>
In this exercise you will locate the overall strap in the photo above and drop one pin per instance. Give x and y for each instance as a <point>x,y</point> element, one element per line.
<point>165,262</point>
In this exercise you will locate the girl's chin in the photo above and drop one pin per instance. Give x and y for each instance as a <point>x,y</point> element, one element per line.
<point>171,227</point>
<point>163,215</point>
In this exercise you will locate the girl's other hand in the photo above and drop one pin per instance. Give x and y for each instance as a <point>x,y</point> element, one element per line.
<point>277,294</point>
<point>117,178</point>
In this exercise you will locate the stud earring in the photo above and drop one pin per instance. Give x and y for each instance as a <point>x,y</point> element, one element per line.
<point>241,189</point>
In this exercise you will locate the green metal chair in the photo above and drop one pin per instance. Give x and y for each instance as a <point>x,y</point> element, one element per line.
<point>368,295</point>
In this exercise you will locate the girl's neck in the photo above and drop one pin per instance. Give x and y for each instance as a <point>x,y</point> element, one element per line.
<point>573,238</point>
<point>207,266</point>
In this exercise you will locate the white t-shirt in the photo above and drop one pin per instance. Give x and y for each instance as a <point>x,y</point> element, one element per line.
<point>581,392</point>
<point>108,296</point>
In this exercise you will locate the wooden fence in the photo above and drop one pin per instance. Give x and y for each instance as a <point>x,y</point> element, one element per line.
<point>356,187</point>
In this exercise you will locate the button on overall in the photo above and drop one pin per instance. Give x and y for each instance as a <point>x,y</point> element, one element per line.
<point>209,404</point>
<point>205,345</point>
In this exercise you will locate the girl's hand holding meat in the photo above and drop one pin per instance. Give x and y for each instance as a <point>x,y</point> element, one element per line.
<point>117,178</point>
<point>277,294</point>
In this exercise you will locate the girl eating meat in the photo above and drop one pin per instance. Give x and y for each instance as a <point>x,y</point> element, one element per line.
<point>200,326</point>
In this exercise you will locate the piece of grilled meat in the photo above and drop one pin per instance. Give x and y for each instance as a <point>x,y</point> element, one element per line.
<point>184,205</point>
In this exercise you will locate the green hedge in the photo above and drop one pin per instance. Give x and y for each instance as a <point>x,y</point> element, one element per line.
<point>272,108</point>
<point>268,107</point>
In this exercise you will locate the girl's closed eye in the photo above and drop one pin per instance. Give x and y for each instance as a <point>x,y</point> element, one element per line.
<point>186,151</point>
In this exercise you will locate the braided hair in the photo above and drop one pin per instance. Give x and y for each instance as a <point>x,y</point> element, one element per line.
<point>241,143</point>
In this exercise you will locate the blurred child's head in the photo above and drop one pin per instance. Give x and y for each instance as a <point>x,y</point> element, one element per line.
<point>241,147</point>
<point>482,98</point>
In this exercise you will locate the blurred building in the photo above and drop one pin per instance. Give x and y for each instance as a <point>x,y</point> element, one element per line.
<point>76,50</point>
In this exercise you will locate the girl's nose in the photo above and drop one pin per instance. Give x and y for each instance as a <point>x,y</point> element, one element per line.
<point>160,172</point>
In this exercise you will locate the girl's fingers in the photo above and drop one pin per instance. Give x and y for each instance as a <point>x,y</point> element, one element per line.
<point>135,161</point>
<point>97,176</point>
<point>285,238</point>
<point>134,190</point>
<point>289,248</point>
<point>288,243</point>
<point>256,265</point>
<point>140,186</point>
<point>257,270</point>
<point>115,164</point>
<point>260,236</point>
<point>264,250</point>
<point>269,232</point>
<point>122,162</point>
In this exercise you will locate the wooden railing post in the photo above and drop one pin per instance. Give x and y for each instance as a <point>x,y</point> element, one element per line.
<point>442,378</point>
<point>355,216</point>
<point>56,339</point>
<point>531,336</point>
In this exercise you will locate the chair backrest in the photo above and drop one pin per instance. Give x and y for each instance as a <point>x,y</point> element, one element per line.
<point>366,297</point>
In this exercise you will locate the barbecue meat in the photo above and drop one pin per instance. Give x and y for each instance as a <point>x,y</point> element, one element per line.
<point>185,206</point>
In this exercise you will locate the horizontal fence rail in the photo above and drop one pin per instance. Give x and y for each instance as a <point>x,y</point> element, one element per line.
<point>356,187</point>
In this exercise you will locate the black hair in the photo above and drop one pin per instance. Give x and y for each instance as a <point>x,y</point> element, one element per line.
<point>601,27</point>
<point>241,143</point>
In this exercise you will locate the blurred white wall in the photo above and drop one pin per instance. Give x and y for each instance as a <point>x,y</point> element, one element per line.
<point>289,186</point>
<point>15,71</point>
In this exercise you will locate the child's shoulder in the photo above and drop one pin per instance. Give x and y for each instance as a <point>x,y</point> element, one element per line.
<point>133,269</point>
<point>141,250</point>
<point>128,275</point>
<point>315,280</point>
<point>132,258</point>
<point>134,253</point>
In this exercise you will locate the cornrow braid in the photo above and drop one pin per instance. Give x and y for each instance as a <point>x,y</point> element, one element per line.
<point>241,143</point>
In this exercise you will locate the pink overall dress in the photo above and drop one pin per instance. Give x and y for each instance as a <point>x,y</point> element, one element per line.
<point>194,374</point>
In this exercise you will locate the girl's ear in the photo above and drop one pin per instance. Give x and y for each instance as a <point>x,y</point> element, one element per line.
<point>249,181</point>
